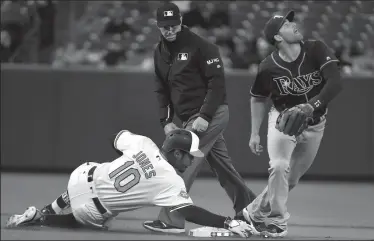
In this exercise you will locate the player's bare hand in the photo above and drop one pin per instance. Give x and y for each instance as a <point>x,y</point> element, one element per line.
<point>239,227</point>
<point>170,127</point>
<point>200,125</point>
<point>254,144</point>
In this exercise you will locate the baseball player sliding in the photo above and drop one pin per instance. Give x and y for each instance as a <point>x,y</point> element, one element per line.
<point>301,78</point>
<point>142,176</point>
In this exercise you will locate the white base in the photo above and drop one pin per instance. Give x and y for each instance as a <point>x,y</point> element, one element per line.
<point>210,232</point>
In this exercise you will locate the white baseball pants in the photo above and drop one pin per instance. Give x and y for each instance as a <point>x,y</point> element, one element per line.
<point>290,158</point>
<point>81,194</point>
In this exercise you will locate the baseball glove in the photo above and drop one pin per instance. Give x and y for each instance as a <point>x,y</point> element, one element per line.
<point>294,121</point>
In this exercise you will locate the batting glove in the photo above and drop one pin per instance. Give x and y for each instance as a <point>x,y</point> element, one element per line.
<point>238,227</point>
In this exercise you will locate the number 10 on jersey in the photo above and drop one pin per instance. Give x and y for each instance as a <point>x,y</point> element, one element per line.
<point>123,172</point>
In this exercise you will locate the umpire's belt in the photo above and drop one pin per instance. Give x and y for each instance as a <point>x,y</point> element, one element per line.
<point>96,200</point>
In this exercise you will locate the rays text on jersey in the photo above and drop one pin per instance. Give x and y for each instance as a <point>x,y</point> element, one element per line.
<point>299,85</point>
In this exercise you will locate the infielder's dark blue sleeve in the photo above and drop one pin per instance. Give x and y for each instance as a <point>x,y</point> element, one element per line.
<point>212,69</point>
<point>323,55</point>
<point>166,111</point>
<point>261,86</point>
<point>329,70</point>
<point>333,86</point>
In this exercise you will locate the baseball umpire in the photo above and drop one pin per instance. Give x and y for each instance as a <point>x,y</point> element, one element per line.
<point>190,82</point>
<point>301,78</point>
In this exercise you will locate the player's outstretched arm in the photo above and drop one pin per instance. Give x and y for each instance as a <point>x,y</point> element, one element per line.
<point>258,111</point>
<point>203,217</point>
<point>260,93</point>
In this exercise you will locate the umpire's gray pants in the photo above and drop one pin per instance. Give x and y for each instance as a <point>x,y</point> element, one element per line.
<point>213,145</point>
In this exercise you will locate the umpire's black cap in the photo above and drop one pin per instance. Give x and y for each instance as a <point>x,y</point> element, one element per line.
<point>274,24</point>
<point>168,15</point>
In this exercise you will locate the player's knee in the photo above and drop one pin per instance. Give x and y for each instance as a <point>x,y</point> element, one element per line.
<point>279,166</point>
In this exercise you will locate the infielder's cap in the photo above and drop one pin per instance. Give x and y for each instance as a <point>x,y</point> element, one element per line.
<point>274,24</point>
<point>184,140</point>
<point>168,15</point>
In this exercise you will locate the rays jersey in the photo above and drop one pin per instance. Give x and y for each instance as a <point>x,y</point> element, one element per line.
<point>292,83</point>
<point>140,177</point>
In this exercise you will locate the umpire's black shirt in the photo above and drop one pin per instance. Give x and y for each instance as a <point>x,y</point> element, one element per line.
<point>189,77</point>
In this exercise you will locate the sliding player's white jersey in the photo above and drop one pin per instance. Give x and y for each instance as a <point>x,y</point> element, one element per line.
<point>140,177</point>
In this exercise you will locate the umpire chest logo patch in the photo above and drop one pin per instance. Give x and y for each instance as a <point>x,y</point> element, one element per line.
<point>182,56</point>
<point>299,85</point>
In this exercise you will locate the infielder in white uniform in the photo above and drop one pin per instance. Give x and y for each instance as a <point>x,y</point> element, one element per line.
<point>143,176</point>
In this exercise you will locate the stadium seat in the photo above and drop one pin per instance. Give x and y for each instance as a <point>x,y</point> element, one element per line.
<point>330,21</point>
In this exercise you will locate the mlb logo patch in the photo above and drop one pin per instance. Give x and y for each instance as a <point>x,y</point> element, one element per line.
<point>168,14</point>
<point>182,56</point>
<point>184,194</point>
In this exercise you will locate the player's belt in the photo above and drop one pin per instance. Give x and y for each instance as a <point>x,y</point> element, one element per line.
<point>90,174</point>
<point>96,200</point>
<point>317,120</point>
<point>98,205</point>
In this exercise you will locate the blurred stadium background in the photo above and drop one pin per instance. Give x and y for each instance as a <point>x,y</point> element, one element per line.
<point>107,34</point>
<point>78,71</point>
<point>57,52</point>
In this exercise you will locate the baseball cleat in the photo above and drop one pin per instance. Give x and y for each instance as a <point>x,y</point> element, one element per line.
<point>273,231</point>
<point>256,227</point>
<point>160,226</point>
<point>27,217</point>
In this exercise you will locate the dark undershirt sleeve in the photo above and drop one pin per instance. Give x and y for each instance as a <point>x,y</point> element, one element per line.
<point>202,217</point>
<point>327,63</point>
<point>331,89</point>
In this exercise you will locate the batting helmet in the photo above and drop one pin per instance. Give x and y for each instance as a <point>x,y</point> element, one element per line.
<point>183,140</point>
